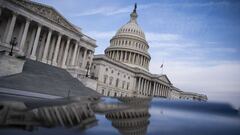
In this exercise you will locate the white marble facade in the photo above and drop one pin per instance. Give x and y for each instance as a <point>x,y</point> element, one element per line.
<point>123,69</point>
<point>44,35</point>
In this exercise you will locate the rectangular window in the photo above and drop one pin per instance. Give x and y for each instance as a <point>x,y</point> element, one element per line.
<point>128,85</point>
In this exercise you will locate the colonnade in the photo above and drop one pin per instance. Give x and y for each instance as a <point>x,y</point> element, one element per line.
<point>39,42</point>
<point>129,57</point>
<point>151,88</point>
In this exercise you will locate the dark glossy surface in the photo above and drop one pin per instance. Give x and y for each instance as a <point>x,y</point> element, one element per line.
<point>147,116</point>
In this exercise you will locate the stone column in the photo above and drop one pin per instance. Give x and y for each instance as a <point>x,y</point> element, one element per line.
<point>74,54</point>
<point>144,62</point>
<point>60,55</point>
<point>130,56</point>
<point>125,57</point>
<point>154,88</point>
<point>57,49</point>
<point>142,87</point>
<point>148,86</point>
<point>78,56</point>
<point>140,90</point>
<point>41,47</point>
<point>161,90</point>
<point>30,44</point>
<point>20,33</point>
<point>111,54</point>
<point>145,89</point>
<point>24,35</point>
<point>150,89</point>
<point>134,58</point>
<point>117,55</point>
<point>139,81</point>
<point>35,44</point>
<point>84,59</point>
<point>45,52</point>
<point>120,55</point>
<point>65,53</point>
<point>11,28</point>
<point>142,84</point>
<point>140,60</point>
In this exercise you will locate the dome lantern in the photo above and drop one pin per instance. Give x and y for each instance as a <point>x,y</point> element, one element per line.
<point>134,15</point>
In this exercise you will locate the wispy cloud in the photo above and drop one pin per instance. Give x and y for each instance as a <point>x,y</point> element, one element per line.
<point>110,10</point>
<point>151,36</point>
<point>101,34</point>
<point>170,44</point>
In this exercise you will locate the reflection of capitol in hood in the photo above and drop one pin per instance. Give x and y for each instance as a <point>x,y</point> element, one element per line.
<point>128,115</point>
<point>132,121</point>
<point>71,115</point>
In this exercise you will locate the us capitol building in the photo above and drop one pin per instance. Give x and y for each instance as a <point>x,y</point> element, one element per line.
<point>124,69</point>
<point>39,32</point>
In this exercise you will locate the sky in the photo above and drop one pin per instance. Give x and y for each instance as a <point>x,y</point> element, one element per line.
<point>197,41</point>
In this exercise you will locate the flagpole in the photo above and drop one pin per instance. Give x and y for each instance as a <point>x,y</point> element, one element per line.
<point>162,70</point>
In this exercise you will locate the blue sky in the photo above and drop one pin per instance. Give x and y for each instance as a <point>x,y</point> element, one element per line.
<point>198,41</point>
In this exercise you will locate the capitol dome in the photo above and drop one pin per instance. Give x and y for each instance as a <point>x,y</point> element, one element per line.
<point>129,45</point>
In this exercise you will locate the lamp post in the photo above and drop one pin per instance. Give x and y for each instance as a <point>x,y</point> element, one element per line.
<point>13,43</point>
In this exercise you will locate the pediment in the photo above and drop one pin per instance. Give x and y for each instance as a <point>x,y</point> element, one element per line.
<point>46,12</point>
<point>165,79</point>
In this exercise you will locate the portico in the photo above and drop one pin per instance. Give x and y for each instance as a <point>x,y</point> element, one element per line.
<point>44,35</point>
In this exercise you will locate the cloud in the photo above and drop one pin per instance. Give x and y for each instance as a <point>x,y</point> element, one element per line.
<point>102,35</point>
<point>151,36</point>
<point>110,10</point>
<point>170,44</point>
<point>207,77</point>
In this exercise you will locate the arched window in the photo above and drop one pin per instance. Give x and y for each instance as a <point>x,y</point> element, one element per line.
<point>105,79</point>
